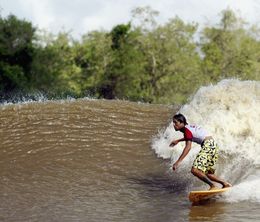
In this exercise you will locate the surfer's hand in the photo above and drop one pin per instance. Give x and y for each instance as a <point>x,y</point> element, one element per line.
<point>175,166</point>
<point>174,142</point>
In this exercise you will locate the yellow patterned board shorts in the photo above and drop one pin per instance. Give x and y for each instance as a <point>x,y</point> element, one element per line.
<point>207,157</point>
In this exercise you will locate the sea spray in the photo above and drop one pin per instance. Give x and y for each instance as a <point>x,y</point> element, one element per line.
<point>230,111</point>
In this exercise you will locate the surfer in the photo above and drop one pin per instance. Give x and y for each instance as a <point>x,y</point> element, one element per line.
<point>204,164</point>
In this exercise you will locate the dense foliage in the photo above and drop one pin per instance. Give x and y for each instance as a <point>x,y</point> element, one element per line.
<point>138,61</point>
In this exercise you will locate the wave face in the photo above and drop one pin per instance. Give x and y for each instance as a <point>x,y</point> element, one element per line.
<point>81,160</point>
<point>229,110</point>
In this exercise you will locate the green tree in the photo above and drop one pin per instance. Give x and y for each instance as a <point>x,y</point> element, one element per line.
<point>54,69</point>
<point>16,54</point>
<point>230,49</point>
<point>172,60</point>
<point>123,77</point>
<point>92,55</point>
<point>177,73</point>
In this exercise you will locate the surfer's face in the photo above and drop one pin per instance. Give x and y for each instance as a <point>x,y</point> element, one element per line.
<point>177,124</point>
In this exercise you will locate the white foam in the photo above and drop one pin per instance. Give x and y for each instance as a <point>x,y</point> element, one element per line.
<point>229,110</point>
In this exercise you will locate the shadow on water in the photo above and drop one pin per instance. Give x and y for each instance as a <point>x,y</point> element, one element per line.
<point>161,183</point>
<point>207,211</point>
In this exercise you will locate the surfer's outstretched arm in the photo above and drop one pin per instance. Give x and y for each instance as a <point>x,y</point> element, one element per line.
<point>185,151</point>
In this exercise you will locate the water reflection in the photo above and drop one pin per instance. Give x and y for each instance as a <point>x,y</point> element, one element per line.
<point>208,210</point>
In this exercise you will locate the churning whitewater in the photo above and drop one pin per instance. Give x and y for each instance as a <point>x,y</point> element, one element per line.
<point>229,110</point>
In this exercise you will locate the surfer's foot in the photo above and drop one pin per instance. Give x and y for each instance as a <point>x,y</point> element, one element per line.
<point>213,188</point>
<point>226,185</point>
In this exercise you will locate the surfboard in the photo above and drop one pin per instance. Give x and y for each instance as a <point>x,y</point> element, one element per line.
<point>197,196</point>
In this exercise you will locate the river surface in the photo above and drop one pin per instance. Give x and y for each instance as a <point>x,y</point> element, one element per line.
<point>94,160</point>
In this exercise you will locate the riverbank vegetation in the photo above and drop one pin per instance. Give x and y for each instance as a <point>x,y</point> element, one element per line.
<point>142,60</point>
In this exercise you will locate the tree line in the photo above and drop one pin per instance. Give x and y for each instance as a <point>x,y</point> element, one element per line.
<point>138,61</point>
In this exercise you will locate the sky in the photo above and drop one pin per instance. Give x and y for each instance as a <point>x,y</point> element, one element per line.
<point>82,16</point>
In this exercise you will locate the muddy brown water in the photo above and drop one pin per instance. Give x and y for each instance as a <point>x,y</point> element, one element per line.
<point>91,160</point>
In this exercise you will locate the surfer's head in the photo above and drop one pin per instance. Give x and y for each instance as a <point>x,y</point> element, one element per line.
<point>179,121</point>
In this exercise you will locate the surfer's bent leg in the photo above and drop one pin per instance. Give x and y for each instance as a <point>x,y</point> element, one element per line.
<point>213,177</point>
<point>202,176</point>
<point>205,161</point>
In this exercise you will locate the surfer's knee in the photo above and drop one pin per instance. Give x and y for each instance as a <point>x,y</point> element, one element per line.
<point>194,171</point>
<point>197,172</point>
<point>211,171</point>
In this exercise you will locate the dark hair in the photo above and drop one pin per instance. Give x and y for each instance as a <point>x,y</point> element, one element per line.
<point>181,118</point>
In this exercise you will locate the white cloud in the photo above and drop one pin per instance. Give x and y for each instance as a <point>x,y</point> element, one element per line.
<point>82,16</point>
<point>41,12</point>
